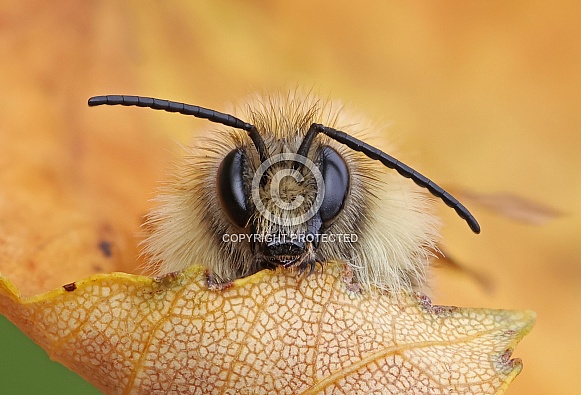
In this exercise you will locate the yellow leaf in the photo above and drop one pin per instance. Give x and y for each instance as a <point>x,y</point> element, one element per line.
<point>273,332</point>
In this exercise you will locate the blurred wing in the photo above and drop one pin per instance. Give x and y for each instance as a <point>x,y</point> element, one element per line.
<point>516,208</point>
<point>445,260</point>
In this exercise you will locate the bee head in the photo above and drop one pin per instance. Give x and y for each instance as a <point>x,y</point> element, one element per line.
<point>286,202</point>
<point>283,182</point>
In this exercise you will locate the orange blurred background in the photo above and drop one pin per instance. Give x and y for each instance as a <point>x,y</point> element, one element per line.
<point>480,96</point>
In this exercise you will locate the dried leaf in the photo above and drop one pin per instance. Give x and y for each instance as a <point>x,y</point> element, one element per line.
<point>273,332</point>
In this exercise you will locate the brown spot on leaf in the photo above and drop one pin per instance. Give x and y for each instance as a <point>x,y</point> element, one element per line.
<point>70,287</point>
<point>215,285</point>
<point>350,281</point>
<point>105,247</point>
<point>426,303</point>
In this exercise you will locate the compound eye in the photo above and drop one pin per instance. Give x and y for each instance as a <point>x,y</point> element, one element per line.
<point>336,177</point>
<point>231,190</point>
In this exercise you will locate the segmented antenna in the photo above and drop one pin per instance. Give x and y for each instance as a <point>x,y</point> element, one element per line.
<point>392,163</point>
<point>185,109</point>
<point>343,138</point>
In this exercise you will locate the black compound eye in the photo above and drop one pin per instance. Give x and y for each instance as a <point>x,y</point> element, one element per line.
<point>336,177</point>
<point>231,190</point>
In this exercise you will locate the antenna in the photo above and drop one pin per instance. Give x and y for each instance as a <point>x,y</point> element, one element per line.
<point>343,138</point>
<point>392,163</point>
<point>185,109</point>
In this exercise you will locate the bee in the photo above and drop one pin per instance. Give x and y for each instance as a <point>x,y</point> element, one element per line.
<point>290,184</point>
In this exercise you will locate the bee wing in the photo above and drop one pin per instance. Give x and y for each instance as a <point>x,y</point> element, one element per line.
<point>446,260</point>
<point>511,206</point>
